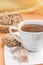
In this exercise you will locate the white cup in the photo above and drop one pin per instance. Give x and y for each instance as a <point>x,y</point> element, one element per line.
<point>33,41</point>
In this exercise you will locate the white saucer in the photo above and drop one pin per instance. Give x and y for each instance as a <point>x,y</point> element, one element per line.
<point>34,58</point>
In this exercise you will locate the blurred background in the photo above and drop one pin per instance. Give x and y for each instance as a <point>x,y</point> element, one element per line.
<point>25,6</point>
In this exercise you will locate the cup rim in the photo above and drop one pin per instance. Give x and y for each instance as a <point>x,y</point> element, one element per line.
<point>19,26</point>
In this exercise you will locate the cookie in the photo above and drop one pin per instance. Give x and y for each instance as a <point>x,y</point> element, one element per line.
<point>9,19</point>
<point>9,41</point>
<point>5,20</point>
<point>15,18</point>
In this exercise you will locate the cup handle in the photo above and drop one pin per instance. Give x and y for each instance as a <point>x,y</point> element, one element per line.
<point>17,37</point>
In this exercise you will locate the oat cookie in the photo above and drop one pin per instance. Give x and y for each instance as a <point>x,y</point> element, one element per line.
<point>9,19</point>
<point>10,41</point>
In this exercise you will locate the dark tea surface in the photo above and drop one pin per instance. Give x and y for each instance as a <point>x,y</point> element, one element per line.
<point>32,28</point>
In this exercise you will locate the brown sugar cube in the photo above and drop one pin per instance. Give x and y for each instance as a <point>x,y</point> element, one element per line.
<point>23,52</point>
<point>14,49</point>
<point>23,55</point>
<point>16,55</point>
<point>23,59</point>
